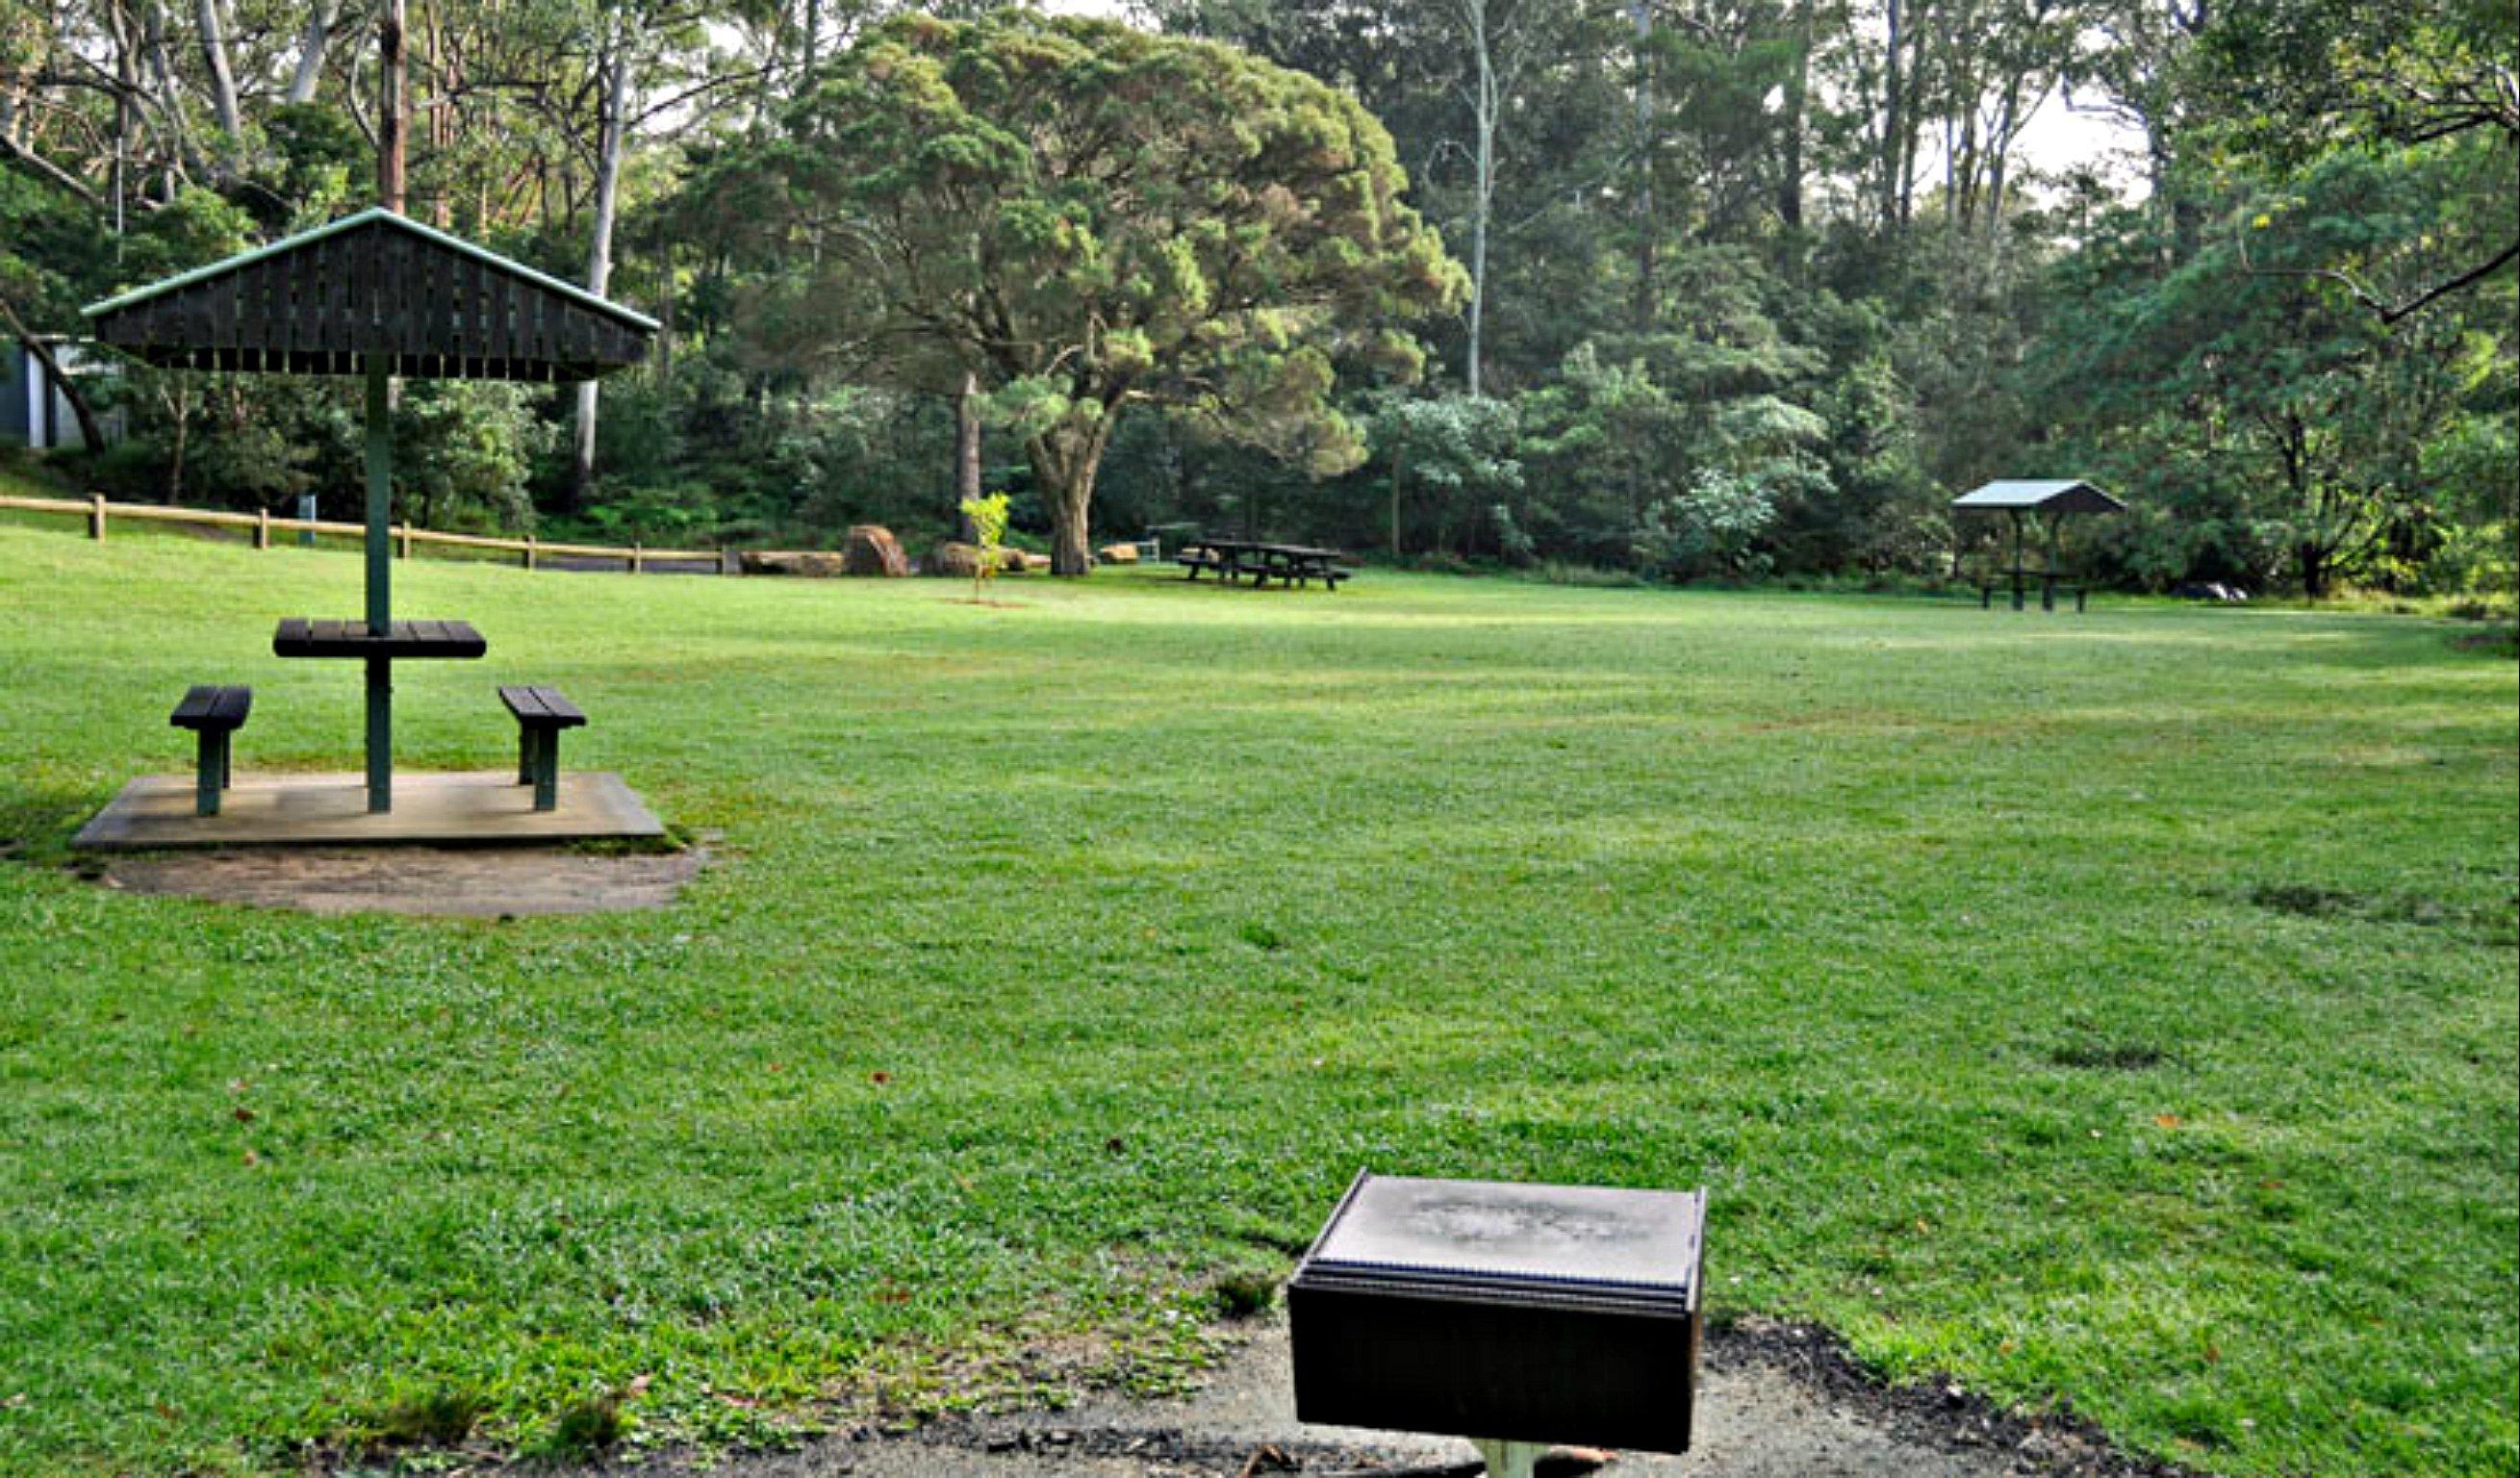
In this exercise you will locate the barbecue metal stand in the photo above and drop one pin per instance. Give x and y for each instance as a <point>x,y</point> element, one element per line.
<point>1513,1316</point>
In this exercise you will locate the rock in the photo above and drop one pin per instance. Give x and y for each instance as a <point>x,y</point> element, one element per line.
<point>1119,553</point>
<point>962,560</point>
<point>959,562</point>
<point>813,562</point>
<point>874,551</point>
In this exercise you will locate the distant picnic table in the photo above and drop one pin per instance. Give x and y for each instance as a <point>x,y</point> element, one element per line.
<point>1233,559</point>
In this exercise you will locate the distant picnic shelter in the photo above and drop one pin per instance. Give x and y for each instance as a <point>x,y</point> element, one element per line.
<point>2050,501</point>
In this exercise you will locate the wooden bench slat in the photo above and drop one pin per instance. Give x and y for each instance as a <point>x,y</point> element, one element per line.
<point>542,707</point>
<point>210,705</point>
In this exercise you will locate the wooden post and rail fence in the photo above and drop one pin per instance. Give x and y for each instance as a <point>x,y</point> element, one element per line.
<point>530,550</point>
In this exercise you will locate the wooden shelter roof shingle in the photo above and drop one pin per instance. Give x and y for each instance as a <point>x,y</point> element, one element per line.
<point>374,285</point>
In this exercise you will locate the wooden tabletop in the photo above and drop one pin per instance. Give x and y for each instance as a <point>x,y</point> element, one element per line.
<point>301,637</point>
<point>1250,546</point>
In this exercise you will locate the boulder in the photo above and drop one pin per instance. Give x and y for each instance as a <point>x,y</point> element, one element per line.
<point>814,562</point>
<point>874,551</point>
<point>959,562</point>
<point>1016,562</point>
<point>1119,553</point>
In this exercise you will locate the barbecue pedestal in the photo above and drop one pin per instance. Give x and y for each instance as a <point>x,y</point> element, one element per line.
<point>1514,1316</point>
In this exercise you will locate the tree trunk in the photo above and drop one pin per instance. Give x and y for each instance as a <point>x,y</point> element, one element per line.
<point>1064,461</point>
<point>320,17</point>
<point>614,109</point>
<point>170,97</point>
<point>215,57</point>
<point>1789,185</point>
<point>1397,465</point>
<point>1892,102</point>
<point>967,448</point>
<point>2313,572</point>
<point>1641,15</point>
<point>1484,107</point>
<point>389,107</point>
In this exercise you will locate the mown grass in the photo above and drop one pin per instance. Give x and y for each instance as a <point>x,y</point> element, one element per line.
<point>2114,1011</point>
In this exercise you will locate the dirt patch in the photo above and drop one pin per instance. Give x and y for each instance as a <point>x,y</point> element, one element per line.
<point>2108,1056</point>
<point>1777,1401</point>
<point>474,882</point>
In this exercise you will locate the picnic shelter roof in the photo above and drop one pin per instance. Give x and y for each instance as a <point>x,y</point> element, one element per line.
<point>2065,496</point>
<point>330,301</point>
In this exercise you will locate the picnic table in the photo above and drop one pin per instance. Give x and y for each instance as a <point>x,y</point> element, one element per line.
<point>301,637</point>
<point>379,646</point>
<point>1286,563</point>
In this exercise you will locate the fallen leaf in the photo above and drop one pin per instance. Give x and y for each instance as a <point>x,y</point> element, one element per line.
<point>244,1115</point>
<point>2166,1120</point>
<point>878,1078</point>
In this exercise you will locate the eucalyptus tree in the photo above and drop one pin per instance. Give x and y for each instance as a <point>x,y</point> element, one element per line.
<point>1085,218</point>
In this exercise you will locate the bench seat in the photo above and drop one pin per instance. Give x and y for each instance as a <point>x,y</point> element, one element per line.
<point>541,713</point>
<point>215,714</point>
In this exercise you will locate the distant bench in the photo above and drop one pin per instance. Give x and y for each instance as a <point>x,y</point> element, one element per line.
<point>2049,587</point>
<point>215,714</point>
<point>541,714</point>
<point>1286,563</point>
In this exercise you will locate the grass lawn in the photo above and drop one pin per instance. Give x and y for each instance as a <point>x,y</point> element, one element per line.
<point>2116,1010</point>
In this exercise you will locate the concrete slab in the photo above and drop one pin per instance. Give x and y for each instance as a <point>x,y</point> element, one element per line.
<point>463,882</point>
<point>463,808</point>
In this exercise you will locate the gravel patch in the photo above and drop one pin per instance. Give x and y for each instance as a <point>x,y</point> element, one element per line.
<point>1775,1401</point>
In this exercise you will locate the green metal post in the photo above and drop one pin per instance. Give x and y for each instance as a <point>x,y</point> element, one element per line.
<point>379,460</point>
<point>2017,556</point>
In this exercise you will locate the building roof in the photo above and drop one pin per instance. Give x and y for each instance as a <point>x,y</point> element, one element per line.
<point>2065,496</point>
<point>330,301</point>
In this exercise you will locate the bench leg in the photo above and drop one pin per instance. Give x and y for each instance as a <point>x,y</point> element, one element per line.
<point>209,770</point>
<point>547,773</point>
<point>525,755</point>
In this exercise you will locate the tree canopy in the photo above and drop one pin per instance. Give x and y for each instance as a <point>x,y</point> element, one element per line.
<point>1088,218</point>
<point>1757,286</point>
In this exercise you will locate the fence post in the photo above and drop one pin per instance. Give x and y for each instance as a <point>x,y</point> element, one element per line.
<point>529,551</point>
<point>262,528</point>
<point>96,517</point>
<point>405,532</point>
<point>638,558</point>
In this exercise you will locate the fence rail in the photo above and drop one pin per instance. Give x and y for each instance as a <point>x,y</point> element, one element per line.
<point>100,514</point>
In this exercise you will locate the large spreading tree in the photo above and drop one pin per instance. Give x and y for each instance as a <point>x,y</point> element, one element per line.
<point>1083,217</point>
